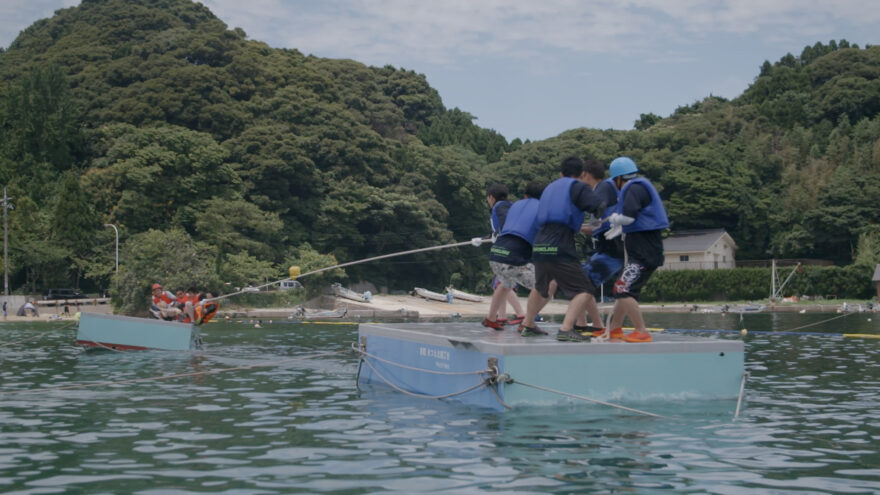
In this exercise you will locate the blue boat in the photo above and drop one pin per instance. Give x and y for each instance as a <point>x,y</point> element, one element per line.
<point>467,362</point>
<point>130,333</point>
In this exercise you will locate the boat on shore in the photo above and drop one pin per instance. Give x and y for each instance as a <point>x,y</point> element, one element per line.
<point>340,291</point>
<point>464,296</point>
<point>430,295</point>
<point>127,333</point>
<point>302,313</point>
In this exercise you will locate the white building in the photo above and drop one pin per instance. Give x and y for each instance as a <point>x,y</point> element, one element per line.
<point>699,250</point>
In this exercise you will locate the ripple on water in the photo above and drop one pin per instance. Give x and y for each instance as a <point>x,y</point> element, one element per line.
<point>810,424</point>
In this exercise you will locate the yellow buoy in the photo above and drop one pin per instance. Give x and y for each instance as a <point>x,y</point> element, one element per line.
<point>744,332</point>
<point>294,272</point>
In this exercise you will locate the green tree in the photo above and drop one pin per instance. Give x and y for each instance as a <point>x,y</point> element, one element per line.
<point>74,224</point>
<point>171,258</point>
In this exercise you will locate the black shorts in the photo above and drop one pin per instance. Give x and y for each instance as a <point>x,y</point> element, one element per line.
<point>631,280</point>
<point>570,279</point>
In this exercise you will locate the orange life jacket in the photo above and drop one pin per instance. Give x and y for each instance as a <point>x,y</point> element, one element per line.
<point>165,297</point>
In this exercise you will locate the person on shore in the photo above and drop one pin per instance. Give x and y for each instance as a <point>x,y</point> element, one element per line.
<point>163,304</point>
<point>511,252</point>
<point>496,196</point>
<point>641,219</point>
<point>561,213</point>
<point>607,259</point>
<point>4,310</point>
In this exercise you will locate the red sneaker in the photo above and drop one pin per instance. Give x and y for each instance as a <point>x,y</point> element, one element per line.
<point>617,333</point>
<point>637,336</point>
<point>494,325</point>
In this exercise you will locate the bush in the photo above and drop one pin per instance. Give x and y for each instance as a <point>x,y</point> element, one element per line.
<point>744,284</point>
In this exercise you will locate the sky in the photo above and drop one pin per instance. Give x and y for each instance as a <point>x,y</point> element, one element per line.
<point>535,68</point>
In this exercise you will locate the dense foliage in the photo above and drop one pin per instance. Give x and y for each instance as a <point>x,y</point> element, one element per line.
<point>750,284</point>
<point>153,116</point>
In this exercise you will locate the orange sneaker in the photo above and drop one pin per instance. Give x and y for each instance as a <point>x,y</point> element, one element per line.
<point>637,336</point>
<point>617,333</point>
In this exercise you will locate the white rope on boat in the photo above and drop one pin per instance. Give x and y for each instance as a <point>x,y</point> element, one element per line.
<point>505,378</point>
<point>474,242</point>
<point>166,377</point>
<point>742,392</point>
<point>362,352</point>
<point>422,396</point>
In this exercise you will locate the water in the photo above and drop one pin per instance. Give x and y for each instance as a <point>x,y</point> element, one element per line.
<point>811,423</point>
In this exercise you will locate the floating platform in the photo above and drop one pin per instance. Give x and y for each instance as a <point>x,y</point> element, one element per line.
<point>130,333</point>
<point>479,366</point>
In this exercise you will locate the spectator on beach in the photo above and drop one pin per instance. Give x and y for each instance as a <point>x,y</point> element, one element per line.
<point>561,213</point>
<point>511,252</point>
<point>4,310</point>
<point>641,218</point>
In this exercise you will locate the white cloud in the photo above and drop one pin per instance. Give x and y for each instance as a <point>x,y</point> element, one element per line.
<point>440,33</point>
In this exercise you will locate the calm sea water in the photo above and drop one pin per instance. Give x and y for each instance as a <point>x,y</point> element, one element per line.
<point>811,423</point>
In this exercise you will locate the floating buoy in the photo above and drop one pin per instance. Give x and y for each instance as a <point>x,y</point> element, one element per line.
<point>744,332</point>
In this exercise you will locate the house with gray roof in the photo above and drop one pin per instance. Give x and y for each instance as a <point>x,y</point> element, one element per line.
<point>699,250</point>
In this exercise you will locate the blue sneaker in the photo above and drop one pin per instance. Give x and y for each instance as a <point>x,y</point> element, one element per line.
<point>539,319</point>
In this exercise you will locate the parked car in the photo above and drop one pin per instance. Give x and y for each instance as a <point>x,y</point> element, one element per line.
<point>54,294</point>
<point>289,284</point>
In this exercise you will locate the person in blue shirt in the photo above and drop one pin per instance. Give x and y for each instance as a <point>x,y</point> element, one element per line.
<point>510,256</point>
<point>641,219</point>
<point>496,196</point>
<point>606,260</point>
<point>561,214</point>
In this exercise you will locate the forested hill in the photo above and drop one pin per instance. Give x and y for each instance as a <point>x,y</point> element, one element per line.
<point>155,115</point>
<point>221,159</point>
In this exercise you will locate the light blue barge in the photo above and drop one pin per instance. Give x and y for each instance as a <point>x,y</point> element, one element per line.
<point>130,333</point>
<point>453,359</point>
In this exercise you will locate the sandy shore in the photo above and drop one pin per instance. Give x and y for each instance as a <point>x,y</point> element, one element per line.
<point>406,306</point>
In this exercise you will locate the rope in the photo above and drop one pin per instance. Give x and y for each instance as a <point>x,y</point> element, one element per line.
<point>423,396</point>
<point>166,377</point>
<point>35,337</point>
<point>507,379</point>
<point>742,392</point>
<point>362,352</point>
<point>494,390</point>
<point>820,322</point>
<point>475,242</point>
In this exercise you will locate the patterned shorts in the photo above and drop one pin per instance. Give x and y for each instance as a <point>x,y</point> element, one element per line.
<point>631,281</point>
<point>510,275</point>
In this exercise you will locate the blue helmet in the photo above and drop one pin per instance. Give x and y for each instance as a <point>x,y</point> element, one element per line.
<point>622,166</point>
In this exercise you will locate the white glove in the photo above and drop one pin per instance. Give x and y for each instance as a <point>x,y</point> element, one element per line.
<point>618,219</point>
<point>614,231</point>
<point>476,241</point>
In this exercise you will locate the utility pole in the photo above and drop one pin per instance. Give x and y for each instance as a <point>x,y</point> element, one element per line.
<point>6,206</point>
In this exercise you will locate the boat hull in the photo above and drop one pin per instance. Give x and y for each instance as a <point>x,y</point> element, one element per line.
<point>431,295</point>
<point>464,296</point>
<point>129,333</point>
<point>434,360</point>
